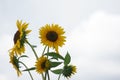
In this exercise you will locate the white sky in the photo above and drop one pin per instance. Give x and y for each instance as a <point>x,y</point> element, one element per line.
<point>92,29</point>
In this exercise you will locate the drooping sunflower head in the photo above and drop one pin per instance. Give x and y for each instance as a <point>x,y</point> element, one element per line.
<point>42,64</point>
<point>69,70</point>
<point>20,37</point>
<point>14,61</point>
<point>52,36</point>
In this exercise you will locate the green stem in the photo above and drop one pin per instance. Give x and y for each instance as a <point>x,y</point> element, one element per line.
<point>43,78</point>
<point>47,51</point>
<point>59,77</point>
<point>44,51</point>
<point>48,75</point>
<point>47,70</point>
<point>28,70</point>
<point>32,49</point>
<point>45,75</point>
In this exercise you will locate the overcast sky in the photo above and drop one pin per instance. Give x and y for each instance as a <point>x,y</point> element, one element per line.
<point>92,29</point>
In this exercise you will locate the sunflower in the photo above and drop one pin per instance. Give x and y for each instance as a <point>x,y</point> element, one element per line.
<point>69,70</point>
<point>14,61</point>
<point>52,36</point>
<point>42,65</point>
<point>20,38</point>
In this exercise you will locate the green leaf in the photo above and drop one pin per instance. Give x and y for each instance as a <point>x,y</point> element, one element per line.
<point>57,71</point>
<point>54,55</point>
<point>55,64</point>
<point>67,59</point>
<point>29,69</point>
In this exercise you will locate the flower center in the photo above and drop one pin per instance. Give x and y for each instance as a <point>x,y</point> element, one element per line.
<point>16,37</point>
<point>52,36</point>
<point>43,65</point>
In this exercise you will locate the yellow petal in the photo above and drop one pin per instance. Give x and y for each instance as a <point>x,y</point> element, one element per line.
<point>25,25</point>
<point>28,31</point>
<point>18,23</point>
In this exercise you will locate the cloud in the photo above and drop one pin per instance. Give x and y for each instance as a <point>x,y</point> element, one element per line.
<point>2,77</point>
<point>95,44</point>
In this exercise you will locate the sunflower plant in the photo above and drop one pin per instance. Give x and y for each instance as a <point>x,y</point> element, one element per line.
<point>51,37</point>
